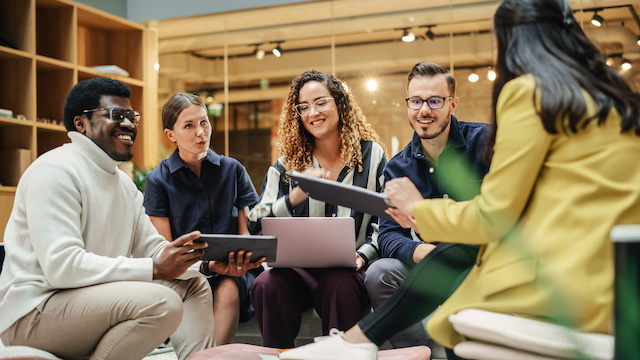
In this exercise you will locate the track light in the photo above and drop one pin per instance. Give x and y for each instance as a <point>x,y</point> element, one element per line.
<point>491,75</point>
<point>408,36</point>
<point>626,65</point>
<point>277,51</point>
<point>429,34</point>
<point>258,53</point>
<point>473,77</point>
<point>597,20</point>
<point>638,40</point>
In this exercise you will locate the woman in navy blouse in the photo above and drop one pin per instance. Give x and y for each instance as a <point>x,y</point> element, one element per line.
<point>197,189</point>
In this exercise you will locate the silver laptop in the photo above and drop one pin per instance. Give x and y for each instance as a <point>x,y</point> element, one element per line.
<point>312,242</point>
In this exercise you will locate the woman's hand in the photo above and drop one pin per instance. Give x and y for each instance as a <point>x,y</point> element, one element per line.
<point>297,195</point>
<point>403,194</point>
<point>237,265</point>
<point>402,219</point>
<point>359,262</point>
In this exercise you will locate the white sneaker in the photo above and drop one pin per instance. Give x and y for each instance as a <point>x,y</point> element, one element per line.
<point>332,347</point>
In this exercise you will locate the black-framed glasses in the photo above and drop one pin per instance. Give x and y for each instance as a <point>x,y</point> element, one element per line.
<point>434,102</point>
<point>320,105</point>
<point>117,115</point>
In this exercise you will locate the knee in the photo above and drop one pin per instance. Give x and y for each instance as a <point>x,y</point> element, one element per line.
<point>165,305</point>
<point>227,292</point>
<point>385,273</point>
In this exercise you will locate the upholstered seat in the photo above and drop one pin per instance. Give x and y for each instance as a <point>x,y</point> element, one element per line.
<point>496,336</point>
<point>252,352</point>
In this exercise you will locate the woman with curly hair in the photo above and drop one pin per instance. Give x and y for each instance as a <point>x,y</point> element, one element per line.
<point>324,134</point>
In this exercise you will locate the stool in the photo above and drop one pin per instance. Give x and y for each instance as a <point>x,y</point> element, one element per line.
<point>251,352</point>
<point>496,336</point>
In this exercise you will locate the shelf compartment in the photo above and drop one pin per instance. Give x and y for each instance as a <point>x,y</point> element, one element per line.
<point>17,18</point>
<point>86,73</point>
<point>48,138</point>
<point>104,39</point>
<point>17,92</point>
<point>15,135</point>
<point>53,84</point>
<point>54,30</point>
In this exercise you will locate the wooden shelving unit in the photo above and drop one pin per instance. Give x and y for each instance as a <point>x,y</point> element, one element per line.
<point>57,42</point>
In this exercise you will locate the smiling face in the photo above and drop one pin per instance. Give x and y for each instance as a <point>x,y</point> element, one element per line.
<point>191,132</point>
<point>323,123</point>
<point>116,139</point>
<point>426,122</point>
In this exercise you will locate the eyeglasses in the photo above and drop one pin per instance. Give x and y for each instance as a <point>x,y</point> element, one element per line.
<point>434,102</point>
<point>117,115</point>
<point>320,105</point>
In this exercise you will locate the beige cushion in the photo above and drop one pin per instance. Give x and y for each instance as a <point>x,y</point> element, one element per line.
<point>532,336</point>
<point>483,351</point>
<point>25,353</point>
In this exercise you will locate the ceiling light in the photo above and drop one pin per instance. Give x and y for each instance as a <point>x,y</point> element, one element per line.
<point>473,77</point>
<point>277,51</point>
<point>610,61</point>
<point>372,85</point>
<point>491,75</point>
<point>638,40</point>
<point>597,20</point>
<point>626,64</point>
<point>258,53</point>
<point>429,34</point>
<point>408,36</point>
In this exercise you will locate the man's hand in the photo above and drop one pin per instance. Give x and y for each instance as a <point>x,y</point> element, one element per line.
<point>422,251</point>
<point>237,265</point>
<point>178,256</point>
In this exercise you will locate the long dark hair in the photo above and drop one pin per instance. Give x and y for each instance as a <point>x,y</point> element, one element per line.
<point>542,38</point>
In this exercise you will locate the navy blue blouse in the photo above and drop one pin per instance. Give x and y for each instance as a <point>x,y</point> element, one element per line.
<point>208,203</point>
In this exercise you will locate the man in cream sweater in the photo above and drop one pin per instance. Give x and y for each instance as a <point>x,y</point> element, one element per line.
<point>86,274</point>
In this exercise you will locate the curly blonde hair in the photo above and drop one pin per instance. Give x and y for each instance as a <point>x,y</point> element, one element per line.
<point>295,142</point>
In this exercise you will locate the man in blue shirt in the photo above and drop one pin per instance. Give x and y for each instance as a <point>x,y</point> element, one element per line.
<point>444,159</point>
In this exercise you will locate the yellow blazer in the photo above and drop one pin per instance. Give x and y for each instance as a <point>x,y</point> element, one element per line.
<point>543,217</point>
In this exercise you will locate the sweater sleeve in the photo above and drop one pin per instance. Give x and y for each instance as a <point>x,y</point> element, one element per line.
<point>519,153</point>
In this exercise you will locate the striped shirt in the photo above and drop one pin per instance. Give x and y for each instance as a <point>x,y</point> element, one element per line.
<point>276,188</point>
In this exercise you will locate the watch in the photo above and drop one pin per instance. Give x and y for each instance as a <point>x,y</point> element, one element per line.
<point>204,269</point>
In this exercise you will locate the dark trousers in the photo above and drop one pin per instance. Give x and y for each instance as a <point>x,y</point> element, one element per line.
<point>428,285</point>
<point>280,296</point>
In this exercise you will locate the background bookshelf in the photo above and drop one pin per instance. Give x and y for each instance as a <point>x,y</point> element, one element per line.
<point>55,45</point>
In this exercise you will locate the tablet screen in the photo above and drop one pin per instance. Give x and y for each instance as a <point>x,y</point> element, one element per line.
<point>220,245</point>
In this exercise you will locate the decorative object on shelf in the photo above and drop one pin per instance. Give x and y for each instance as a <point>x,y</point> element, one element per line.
<point>6,113</point>
<point>111,69</point>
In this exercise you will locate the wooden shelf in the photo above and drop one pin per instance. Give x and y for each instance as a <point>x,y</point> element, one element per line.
<point>57,41</point>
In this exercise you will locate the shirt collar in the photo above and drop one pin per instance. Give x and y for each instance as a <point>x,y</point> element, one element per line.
<point>94,152</point>
<point>175,163</point>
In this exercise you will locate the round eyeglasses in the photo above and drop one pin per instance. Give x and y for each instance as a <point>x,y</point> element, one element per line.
<point>434,102</point>
<point>117,115</point>
<point>320,105</point>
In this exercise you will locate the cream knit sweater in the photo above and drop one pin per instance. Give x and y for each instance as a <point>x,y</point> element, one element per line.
<point>77,221</point>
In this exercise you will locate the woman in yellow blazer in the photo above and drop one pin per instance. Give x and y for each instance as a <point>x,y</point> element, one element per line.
<point>565,170</point>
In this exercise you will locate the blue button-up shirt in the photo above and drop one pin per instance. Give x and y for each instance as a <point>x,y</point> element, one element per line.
<point>208,203</point>
<point>457,175</point>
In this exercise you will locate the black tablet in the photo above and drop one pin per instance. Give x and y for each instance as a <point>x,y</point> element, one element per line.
<point>350,196</point>
<point>220,245</point>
